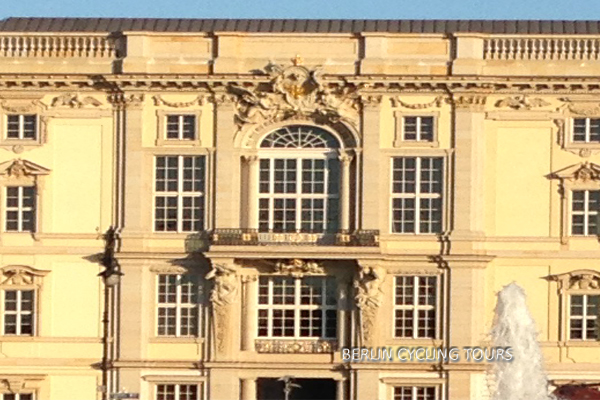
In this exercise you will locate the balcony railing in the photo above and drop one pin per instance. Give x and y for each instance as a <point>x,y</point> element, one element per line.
<point>252,237</point>
<point>88,46</point>
<point>520,48</point>
<point>295,346</point>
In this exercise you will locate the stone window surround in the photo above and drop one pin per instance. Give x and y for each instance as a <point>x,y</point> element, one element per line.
<point>392,382</point>
<point>19,145</point>
<point>577,282</point>
<point>21,277</point>
<point>567,205</point>
<point>158,270</point>
<point>446,200</point>
<point>161,138</point>
<point>399,129</point>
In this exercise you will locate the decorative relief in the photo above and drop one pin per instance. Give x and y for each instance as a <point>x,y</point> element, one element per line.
<point>469,102</point>
<point>19,275</point>
<point>168,269</point>
<point>22,106</point>
<point>18,169</point>
<point>584,110</point>
<point>298,268</point>
<point>521,103</point>
<point>200,100</point>
<point>74,100</point>
<point>584,172</point>
<point>222,296</point>
<point>437,102</point>
<point>583,279</point>
<point>295,346</point>
<point>294,92</point>
<point>121,99</point>
<point>368,295</point>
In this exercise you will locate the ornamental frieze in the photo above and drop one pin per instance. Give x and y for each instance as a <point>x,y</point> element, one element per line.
<point>521,103</point>
<point>293,92</point>
<point>298,268</point>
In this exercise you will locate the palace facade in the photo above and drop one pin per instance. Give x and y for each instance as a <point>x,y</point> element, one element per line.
<point>213,209</point>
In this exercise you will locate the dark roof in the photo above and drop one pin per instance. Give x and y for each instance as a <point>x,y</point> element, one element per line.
<point>297,25</point>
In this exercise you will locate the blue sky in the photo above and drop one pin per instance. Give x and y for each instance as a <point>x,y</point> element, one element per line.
<point>361,9</point>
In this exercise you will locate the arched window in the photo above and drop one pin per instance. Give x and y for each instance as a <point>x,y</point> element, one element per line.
<point>299,181</point>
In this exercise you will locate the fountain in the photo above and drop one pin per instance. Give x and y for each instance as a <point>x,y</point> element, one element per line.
<point>523,378</point>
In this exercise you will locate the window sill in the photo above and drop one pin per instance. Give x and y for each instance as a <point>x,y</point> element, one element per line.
<point>176,339</point>
<point>582,343</point>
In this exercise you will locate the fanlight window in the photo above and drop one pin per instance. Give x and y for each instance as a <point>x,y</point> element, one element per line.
<point>300,137</point>
<point>299,186</point>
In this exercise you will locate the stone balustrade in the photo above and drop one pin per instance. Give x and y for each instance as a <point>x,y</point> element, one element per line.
<point>58,46</point>
<point>541,48</point>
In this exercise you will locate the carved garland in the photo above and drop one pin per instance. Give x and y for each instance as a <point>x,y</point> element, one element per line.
<point>200,100</point>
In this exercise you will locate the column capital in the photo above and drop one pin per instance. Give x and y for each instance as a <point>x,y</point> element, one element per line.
<point>345,157</point>
<point>473,103</point>
<point>250,159</point>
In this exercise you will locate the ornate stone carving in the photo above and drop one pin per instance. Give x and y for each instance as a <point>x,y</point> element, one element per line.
<point>437,102</point>
<point>583,279</point>
<point>295,346</point>
<point>168,269</point>
<point>73,100</point>
<point>293,92</point>
<point>521,103</point>
<point>368,298</point>
<point>159,101</point>
<point>120,99</point>
<point>471,102</point>
<point>584,110</point>
<point>20,275</point>
<point>21,106</point>
<point>223,295</point>
<point>584,172</point>
<point>298,268</point>
<point>19,168</point>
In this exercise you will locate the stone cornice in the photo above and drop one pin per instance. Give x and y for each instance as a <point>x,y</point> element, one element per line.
<point>391,84</point>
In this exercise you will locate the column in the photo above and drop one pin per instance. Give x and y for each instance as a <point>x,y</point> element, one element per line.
<point>252,191</point>
<point>371,195</point>
<point>249,314</point>
<point>345,162</point>
<point>341,389</point>
<point>469,193</point>
<point>248,389</point>
<point>227,174</point>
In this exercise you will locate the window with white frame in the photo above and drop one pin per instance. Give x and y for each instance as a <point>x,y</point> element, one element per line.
<point>177,392</point>
<point>178,305</point>
<point>18,309</point>
<point>586,130</point>
<point>417,186</point>
<point>181,127</point>
<point>584,317</point>
<point>21,127</point>
<point>17,396</point>
<point>179,193</point>
<point>415,393</point>
<point>415,307</point>
<point>297,308</point>
<point>584,212</point>
<point>419,129</point>
<point>20,209</point>
<point>299,187</point>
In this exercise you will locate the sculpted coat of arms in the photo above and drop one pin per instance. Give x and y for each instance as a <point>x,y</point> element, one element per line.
<point>294,91</point>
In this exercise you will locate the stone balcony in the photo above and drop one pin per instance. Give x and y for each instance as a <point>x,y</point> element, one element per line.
<point>252,237</point>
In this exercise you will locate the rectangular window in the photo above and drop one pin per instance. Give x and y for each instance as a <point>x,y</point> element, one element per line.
<point>586,130</point>
<point>419,129</point>
<point>21,127</point>
<point>177,392</point>
<point>20,209</point>
<point>417,185</point>
<point>17,396</point>
<point>179,193</point>
<point>19,312</point>
<point>298,194</point>
<point>584,317</point>
<point>415,305</point>
<point>181,127</point>
<point>415,393</point>
<point>584,212</point>
<point>178,305</point>
<point>291,307</point>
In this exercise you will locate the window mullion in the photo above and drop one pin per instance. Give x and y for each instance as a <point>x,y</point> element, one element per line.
<point>297,308</point>
<point>18,313</point>
<point>418,195</point>
<point>587,129</point>
<point>21,126</point>
<point>586,218</point>
<point>179,193</point>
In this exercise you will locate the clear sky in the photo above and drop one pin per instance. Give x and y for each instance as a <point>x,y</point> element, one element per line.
<point>359,9</point>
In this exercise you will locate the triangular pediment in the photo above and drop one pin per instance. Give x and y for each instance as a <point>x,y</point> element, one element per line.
<point>20,168</point>
<point>579,172</point>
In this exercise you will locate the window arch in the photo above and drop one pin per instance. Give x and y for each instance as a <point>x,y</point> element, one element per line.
<point>300,137</point>
<point>299,181</point>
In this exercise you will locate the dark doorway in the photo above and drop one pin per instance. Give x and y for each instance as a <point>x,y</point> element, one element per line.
<point>310,389</point>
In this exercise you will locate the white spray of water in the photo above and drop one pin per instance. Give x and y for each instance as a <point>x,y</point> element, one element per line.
<point>523,378</point>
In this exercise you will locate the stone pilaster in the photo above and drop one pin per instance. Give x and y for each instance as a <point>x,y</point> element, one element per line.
<point>345,162</point>
<point>252,168</point>
<point>248,389</point>
<point>368,295</point>
<point>371,198</point>
<point>249,311</point>
<point>469,154</point>
<point>227,174</point>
